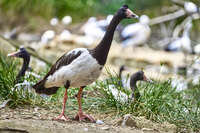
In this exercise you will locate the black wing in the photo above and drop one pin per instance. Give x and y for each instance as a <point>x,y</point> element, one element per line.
<point>63,61</point>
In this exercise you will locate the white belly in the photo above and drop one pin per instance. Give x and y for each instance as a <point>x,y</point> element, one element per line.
<point>82,71</point>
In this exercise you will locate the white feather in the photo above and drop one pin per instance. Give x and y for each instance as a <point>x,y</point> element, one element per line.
<point>82,71</point>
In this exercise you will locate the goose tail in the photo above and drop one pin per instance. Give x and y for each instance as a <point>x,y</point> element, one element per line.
<point>40,88</point>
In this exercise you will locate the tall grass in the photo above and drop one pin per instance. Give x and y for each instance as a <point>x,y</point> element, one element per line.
<point>8,90</point>
<point>159,102</point>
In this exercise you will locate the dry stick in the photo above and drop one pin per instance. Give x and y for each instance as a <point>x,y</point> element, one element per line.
<point>14,44</point>
<point>167,17</point>
<point>172,16</point>
<point>13,130</point>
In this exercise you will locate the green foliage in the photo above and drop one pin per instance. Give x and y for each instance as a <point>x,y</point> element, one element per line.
<point>8,90</point>
<point>47,8</point>
<point>158,102</point>
<point>7,76</point>
<point>78,9</point>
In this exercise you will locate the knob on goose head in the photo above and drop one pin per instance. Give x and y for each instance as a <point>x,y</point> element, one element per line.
<point>125,12</point>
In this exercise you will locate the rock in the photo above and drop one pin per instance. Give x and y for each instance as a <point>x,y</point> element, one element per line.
<point>85,129</point>
<point>127,121</point>
<point>105,128</point>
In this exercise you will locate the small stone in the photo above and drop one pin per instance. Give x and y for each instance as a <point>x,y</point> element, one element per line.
<point>105,128</point>
<point>99,122</point>
<point>85,129</point>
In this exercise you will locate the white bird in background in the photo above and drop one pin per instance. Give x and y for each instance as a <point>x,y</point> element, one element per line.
<point>182,43</point>
<point>66,20</point>
<point>104,22</point>
<point>65,35</point>
<point>92,29</point>
<point>54,21</point>
<point>96,28</point>
<point>47,36</point>
<point>136,34</point>
<point>190,7</point>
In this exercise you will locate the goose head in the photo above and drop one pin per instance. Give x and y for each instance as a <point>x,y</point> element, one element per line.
<point>139,76</point>
<point>125,12</point>
<point>21,53</point>
<point>136,77</point>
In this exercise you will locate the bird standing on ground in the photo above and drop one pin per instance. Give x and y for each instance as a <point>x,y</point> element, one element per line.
<point>81,66</point>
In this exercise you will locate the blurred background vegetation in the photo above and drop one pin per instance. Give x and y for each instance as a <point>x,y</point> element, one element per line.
<point>77,8</point>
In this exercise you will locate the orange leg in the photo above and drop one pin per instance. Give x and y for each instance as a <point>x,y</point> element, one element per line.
<point>62,116</point>
<point>80,115</point>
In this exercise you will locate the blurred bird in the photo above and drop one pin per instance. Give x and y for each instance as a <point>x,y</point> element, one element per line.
<point>190,7</point>
<point>136,34</point>
<point>47,36</point>
<point>66,20</point>
<point>54,21</point>
<point>182,43</point>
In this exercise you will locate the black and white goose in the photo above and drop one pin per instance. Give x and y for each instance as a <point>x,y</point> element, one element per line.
<point>24,72</point>
<point>22,53</point>
<point>123,97</point>
<point>81,66</point>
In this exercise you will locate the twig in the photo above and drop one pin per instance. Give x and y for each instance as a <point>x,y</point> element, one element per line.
<point>14,44</point>
<point>167,17</point>
<point>13,130</point>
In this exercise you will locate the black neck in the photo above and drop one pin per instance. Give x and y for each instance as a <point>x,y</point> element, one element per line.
<point>101,51</point>
<point>133,85</point>
<point>135,91</point>
<point>120,73</point>
<point>23,69</point>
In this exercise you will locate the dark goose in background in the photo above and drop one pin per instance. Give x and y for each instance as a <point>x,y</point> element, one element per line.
<point>22,53</point>
<point>123,97</point>
<point>134,78</point>
<point>81,66</point>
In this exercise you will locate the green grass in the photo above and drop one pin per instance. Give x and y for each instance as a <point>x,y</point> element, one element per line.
<point>159,102</point>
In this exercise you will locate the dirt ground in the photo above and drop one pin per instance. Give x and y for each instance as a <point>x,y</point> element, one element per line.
<point>39,120</point>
